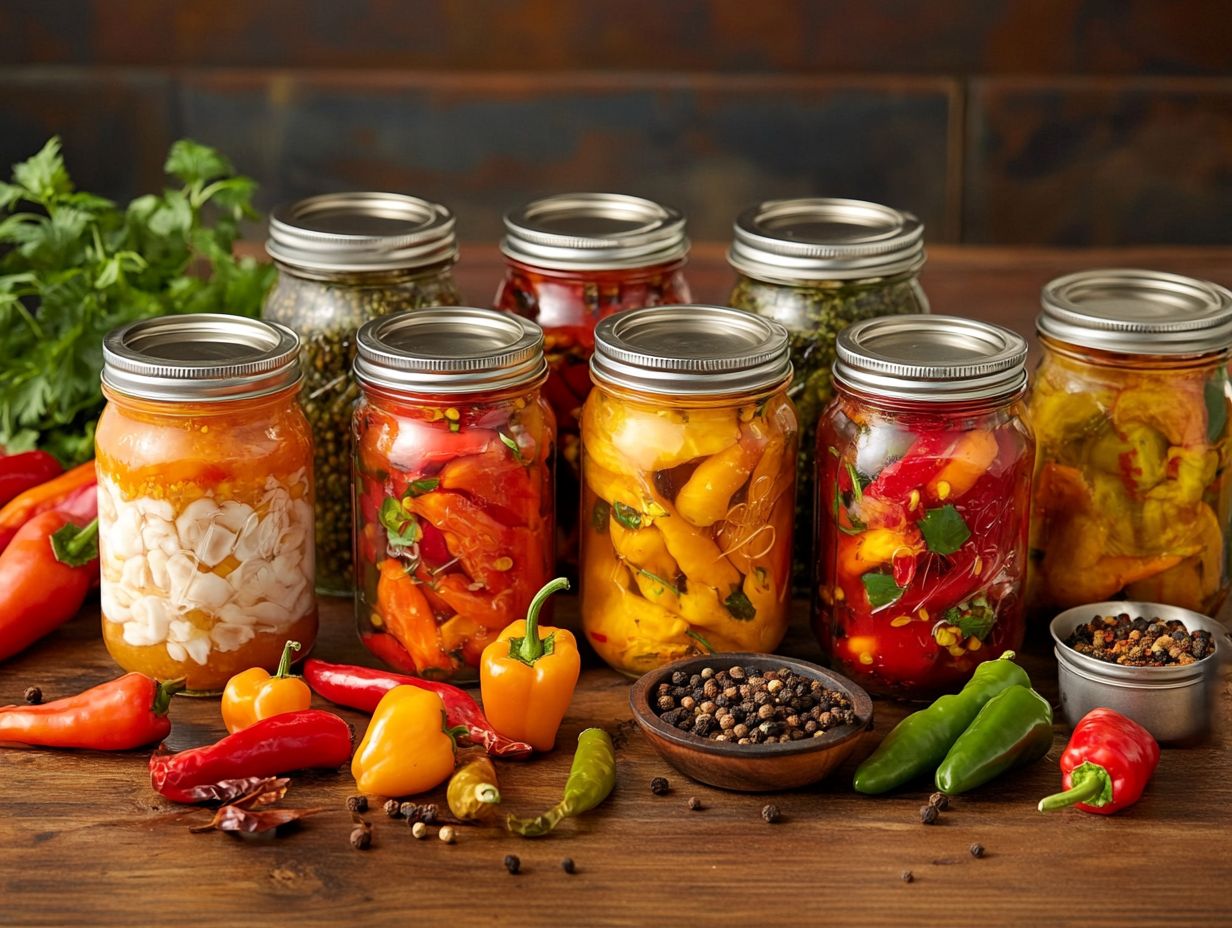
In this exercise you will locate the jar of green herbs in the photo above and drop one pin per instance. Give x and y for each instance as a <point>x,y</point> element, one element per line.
<point>343,259</point>
<point>816,265</point>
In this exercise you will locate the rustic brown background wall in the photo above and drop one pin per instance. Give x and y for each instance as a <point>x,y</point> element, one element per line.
<point>1001,121</point>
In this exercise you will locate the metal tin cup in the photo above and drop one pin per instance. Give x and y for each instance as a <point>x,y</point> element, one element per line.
<point>1173,703</point>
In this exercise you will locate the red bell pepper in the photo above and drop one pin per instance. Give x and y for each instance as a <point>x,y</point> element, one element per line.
<point>74,491</point>
<point>121,714</point>
<point>362,688</point>
<point>279,744</point>
<point>45,574</point>
<point>21,472</point>
<point>1106,765</point>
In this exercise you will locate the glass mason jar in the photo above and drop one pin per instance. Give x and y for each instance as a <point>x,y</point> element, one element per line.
<point>816,265</point>
<point>1130,409</point>
<point>454,451</point>
<point>572,260</point>
<point>204,498</point>
<point>688,486</point>
<point>923,479</point>
<point>343,259</point>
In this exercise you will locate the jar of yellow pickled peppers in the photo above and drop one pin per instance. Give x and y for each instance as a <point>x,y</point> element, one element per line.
<point>205,498</point>
<point>454,446</point>
<point>1130,409</point>
<point>923,480</point>
<point>688,485</point>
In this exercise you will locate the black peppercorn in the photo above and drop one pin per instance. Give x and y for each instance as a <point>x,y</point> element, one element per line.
<point>907,876</point>
<point>513,864</point>
<point>357,804</point>
<point>940,800</point>
<point>695,804</point>
<point>659,786</point>
<point>977,850</point>
<point>361,837</point>
<point>392,808</point>
<point>568,866</point>
<point>770,812</point>
<point>33,695</point>
<point>929,815</point>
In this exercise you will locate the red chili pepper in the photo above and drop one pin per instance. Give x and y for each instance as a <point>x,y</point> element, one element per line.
<point>76,489</point>
<point>45,575</point>
<point>923,459</point>
<point>362,688</point>
<point>1106,765</point>
<point>276,745</point>
<point>21,472</point>
<point>118,715</point>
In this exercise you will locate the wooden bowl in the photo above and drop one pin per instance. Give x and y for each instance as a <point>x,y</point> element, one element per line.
<point>750,767</point>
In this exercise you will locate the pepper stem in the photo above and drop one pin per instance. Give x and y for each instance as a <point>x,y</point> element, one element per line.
<point>487,793</point>
<point>75,546</point>
<point>1092,787</point>
<point>454,733</point>
<point>163,691</point>
<point>530,649</point>
<point>284,663</point>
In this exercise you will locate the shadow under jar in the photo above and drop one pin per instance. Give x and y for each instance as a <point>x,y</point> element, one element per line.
<point>454,449</point>
<point>572,260</point>
<point>688,475</point>
<point>816,265</point>
<point>923,486</point>
<point>204,498</point>
<point>343,259</point>
<point>1130,406</point>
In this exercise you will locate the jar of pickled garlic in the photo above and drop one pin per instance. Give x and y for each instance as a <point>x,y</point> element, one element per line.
<point>1130,409</point>
<point>345,258</point>
<point>573,259</point>
<point>923,480</point>
<point>454,450</point>
<point>816,265</point>
<point>204,498</point>
<point>688,486</point>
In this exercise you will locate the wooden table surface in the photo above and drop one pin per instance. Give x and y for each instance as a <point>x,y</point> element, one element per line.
<point>84,840</point>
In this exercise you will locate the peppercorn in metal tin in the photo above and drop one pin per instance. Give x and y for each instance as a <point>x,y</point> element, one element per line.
<point>1174,702</point>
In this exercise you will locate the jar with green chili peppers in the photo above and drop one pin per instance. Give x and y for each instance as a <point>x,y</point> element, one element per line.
<point>815,266</point>
<point>343,259</point>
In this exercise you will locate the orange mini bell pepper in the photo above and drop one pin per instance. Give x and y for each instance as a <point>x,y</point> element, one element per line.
<point>527,676</point>
<point>253,695</point>
<point>409,747</point>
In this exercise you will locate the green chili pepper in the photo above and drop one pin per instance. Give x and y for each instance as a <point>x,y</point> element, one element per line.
<point>920,741</point>
<point>1014,728</point>
<point>591,779</point>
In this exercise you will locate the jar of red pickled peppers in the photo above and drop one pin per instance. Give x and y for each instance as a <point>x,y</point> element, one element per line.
<point>454,446</point>
<point>574,259</point>
<point>923,480</point>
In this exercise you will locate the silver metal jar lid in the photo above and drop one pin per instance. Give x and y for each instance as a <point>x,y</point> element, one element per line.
<point>450,349</point>
<point>931,358</point>
<point>594,231</point>
<point>690,350</point>
<point>356,232</point>
<point>1137,312</point>
<point>823,238</point>
<point>200,357</point>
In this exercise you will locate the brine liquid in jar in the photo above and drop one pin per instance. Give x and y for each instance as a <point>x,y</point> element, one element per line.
<point>345,258</point>
<point>571,261</point>
<point>1130,406</point>
<point>454,450</point>
<point>816,265</point>
<point>205,499</point>
<point>923,486</point>
<point>688,474</point>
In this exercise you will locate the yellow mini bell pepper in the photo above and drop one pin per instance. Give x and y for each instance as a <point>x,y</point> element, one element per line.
<point>527,676</point>
<point>408,748</point>
<point>253,694</point>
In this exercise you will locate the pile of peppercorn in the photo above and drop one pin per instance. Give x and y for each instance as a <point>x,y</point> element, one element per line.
<point>1140,642</point>
<point>750,706</point>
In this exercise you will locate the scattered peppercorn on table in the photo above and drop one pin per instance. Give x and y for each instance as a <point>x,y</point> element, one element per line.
<point>84,839</point>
